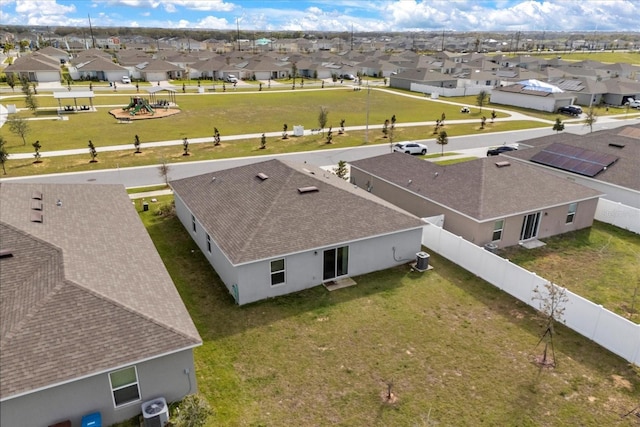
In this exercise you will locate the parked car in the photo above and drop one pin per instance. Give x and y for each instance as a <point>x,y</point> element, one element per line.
<point>126,79</point>
<point>465,110</point>
<point>502,149</point>
<point>634,103</point>
<point>410,148</point>
<point>231,78</point>
<point>571,110</point>
<point>347,76</point>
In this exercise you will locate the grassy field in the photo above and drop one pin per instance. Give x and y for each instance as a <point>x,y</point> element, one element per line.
<point>456,350</point>
<point>601,263</point>
<point>602,56</point>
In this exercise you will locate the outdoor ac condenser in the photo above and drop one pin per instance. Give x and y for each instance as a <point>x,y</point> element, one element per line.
<point>155,412</point>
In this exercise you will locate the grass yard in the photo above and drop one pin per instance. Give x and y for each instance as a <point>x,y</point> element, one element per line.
<point>456,350</point>
<point>601,263</point>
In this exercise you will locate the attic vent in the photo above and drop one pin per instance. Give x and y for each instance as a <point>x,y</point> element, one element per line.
<point>36,195</point>
<point>308,171</point>
<point>309,189</point>
<point>503,164</point>
<point>36,216</point>
<point>262,176</point>
<point>616,145</point>
<point>6,253</point>
<point>36,205</point>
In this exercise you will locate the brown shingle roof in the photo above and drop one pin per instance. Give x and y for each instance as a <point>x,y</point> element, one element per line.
<point>85,290</point>
<point>252,219</point>
<point>477,188</point>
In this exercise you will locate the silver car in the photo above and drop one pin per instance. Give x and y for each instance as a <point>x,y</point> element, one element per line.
<point>411,148</point>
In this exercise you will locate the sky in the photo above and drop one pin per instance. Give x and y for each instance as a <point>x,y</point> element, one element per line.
<point>332,15</point>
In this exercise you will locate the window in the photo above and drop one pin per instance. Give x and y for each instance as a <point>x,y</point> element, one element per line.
<point>193,223</point>
<point>277,272</point>
<point>498,226</point>
<point>208,243</point>
<point>124,386</point>
<point>571,213</point>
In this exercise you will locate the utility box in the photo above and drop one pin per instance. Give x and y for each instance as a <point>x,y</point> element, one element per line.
<point>92,420</point>
<point>491,247</point>
<point>298,130</point>
<point>422,261</point>
<point>145,206</point>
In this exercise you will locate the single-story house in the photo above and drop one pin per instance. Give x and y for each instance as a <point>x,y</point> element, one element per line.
<point>487,200</point>
<point>90,320</point>
<point>274,227</point>
<point>619,181</point>
<point>35,68</point>
<point>532,94</point>
<point>99,68</point>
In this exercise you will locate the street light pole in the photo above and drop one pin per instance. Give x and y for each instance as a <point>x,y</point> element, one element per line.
<point>366,131</point>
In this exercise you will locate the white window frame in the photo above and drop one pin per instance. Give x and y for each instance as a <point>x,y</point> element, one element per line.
<point>497,230</point>
<point>277,272</point>
<point>114,389</point>
<point>571,213</point>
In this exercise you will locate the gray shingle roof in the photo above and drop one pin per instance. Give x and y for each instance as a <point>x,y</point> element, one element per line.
<point>477,188</point>
<point>252,219</point>
<point>85,290</point>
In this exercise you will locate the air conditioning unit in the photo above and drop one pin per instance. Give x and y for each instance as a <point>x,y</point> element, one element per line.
<point>422,261</point>
<point>155,412</point>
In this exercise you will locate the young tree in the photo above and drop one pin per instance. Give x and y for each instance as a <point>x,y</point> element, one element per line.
<point>216,136</point>
<point>591,118</point>
<point>136,143</point>
<point>481,99</point>
<point>558,126</point>
<point>329,136</point>
<point>193,411</point>
<point>185,146</point>
<point>20,127</point>
<point>385,128</point>
<point>4,155</point>
<point>36,146</point>
<point>323,117</point>
<point>163,170</point>
<point>263,142</point>
<point>493,115</point>
<point>284,131</point>
<point>32,103</point>
<point>483,120</point>
<point>341,131</point>
<point>393,122</point>
<point>341,170</point>
<point>93,152</point>
<point>552,300</point>
<point>11,81</point>
<point>442,117</point>
<point>442,140</point>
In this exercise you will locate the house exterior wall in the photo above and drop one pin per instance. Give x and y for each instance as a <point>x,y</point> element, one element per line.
<point>305,270</point>
<point>540,103</point>
<point>161,377</point>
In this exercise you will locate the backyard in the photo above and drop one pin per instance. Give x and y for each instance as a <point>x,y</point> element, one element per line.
<point>453,350</point>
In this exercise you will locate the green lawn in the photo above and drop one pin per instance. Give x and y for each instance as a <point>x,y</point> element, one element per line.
<point>601,263</point>
<point>457,351</point>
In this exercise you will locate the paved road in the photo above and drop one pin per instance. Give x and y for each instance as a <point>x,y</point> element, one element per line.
<point>149,175</point>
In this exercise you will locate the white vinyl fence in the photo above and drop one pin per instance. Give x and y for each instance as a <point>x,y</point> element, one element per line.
<point>450,91</point>
<point>617,214</point>
<point>609,330</point>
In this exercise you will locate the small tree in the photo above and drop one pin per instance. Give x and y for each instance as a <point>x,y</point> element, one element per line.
<point>493,115</point>
<point>263,142</point>
<point>341,170</point>
<point>193,411</point>
<point>185,146</point>
<point>329,136</point>
<point>591,118</point>
<point>32,103</point>
<point>92,152</point>
<point>36,146</point>
<point>442,117</point>
<point>136,143</point>
<point>558,126</point>
<point>11,81</point>
<point>216,136</point>
<point>393,121</point>
<point>284,131</point>
<point>20,127</point>
<point>385,128</point>
<point>552,300</point>
<point>481,99</point>
<point>442,140</point>
<point>341,131</point>
<point>323,117</point>
<point>483,120</point>
<point>163,171</point>
<point>4,155</point>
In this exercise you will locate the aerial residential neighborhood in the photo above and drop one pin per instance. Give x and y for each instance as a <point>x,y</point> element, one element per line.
<point>245,227</point>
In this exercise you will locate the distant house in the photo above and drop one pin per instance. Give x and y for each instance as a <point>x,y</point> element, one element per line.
<point>35,68</point>
<point>272,228</point>
<point>532,94</point>
<point>99,68</point>
<point>90,320</point>
<point>488,200</point>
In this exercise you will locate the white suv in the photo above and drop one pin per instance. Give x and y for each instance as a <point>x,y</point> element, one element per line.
<point>126,79</point>
<point>232,79</point>
<point>411,148</point>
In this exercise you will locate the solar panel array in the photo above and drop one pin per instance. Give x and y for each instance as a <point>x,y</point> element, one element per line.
<point>574,159</point>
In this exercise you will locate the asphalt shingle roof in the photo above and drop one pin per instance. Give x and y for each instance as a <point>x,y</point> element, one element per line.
<point>252,219</point>
<point>85,290</point>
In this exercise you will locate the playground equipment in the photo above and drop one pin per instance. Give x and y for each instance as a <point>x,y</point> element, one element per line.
<point>138,105</point>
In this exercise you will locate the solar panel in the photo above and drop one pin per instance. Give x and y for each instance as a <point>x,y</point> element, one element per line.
<point>574,159</point>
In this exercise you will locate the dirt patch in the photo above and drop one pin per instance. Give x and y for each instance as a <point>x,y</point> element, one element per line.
<point>620,382</point>
<point>159,113</point>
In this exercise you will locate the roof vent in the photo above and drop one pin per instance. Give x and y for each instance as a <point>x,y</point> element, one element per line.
<point>616,145</point>
<point>6,253</point>
<point>308,171</point>
<point>262,176</point>
<point>36,216</point>
<point>36,205</point>
<point>36,195</point>
<point>309,189</point>
<point>503,164</point>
